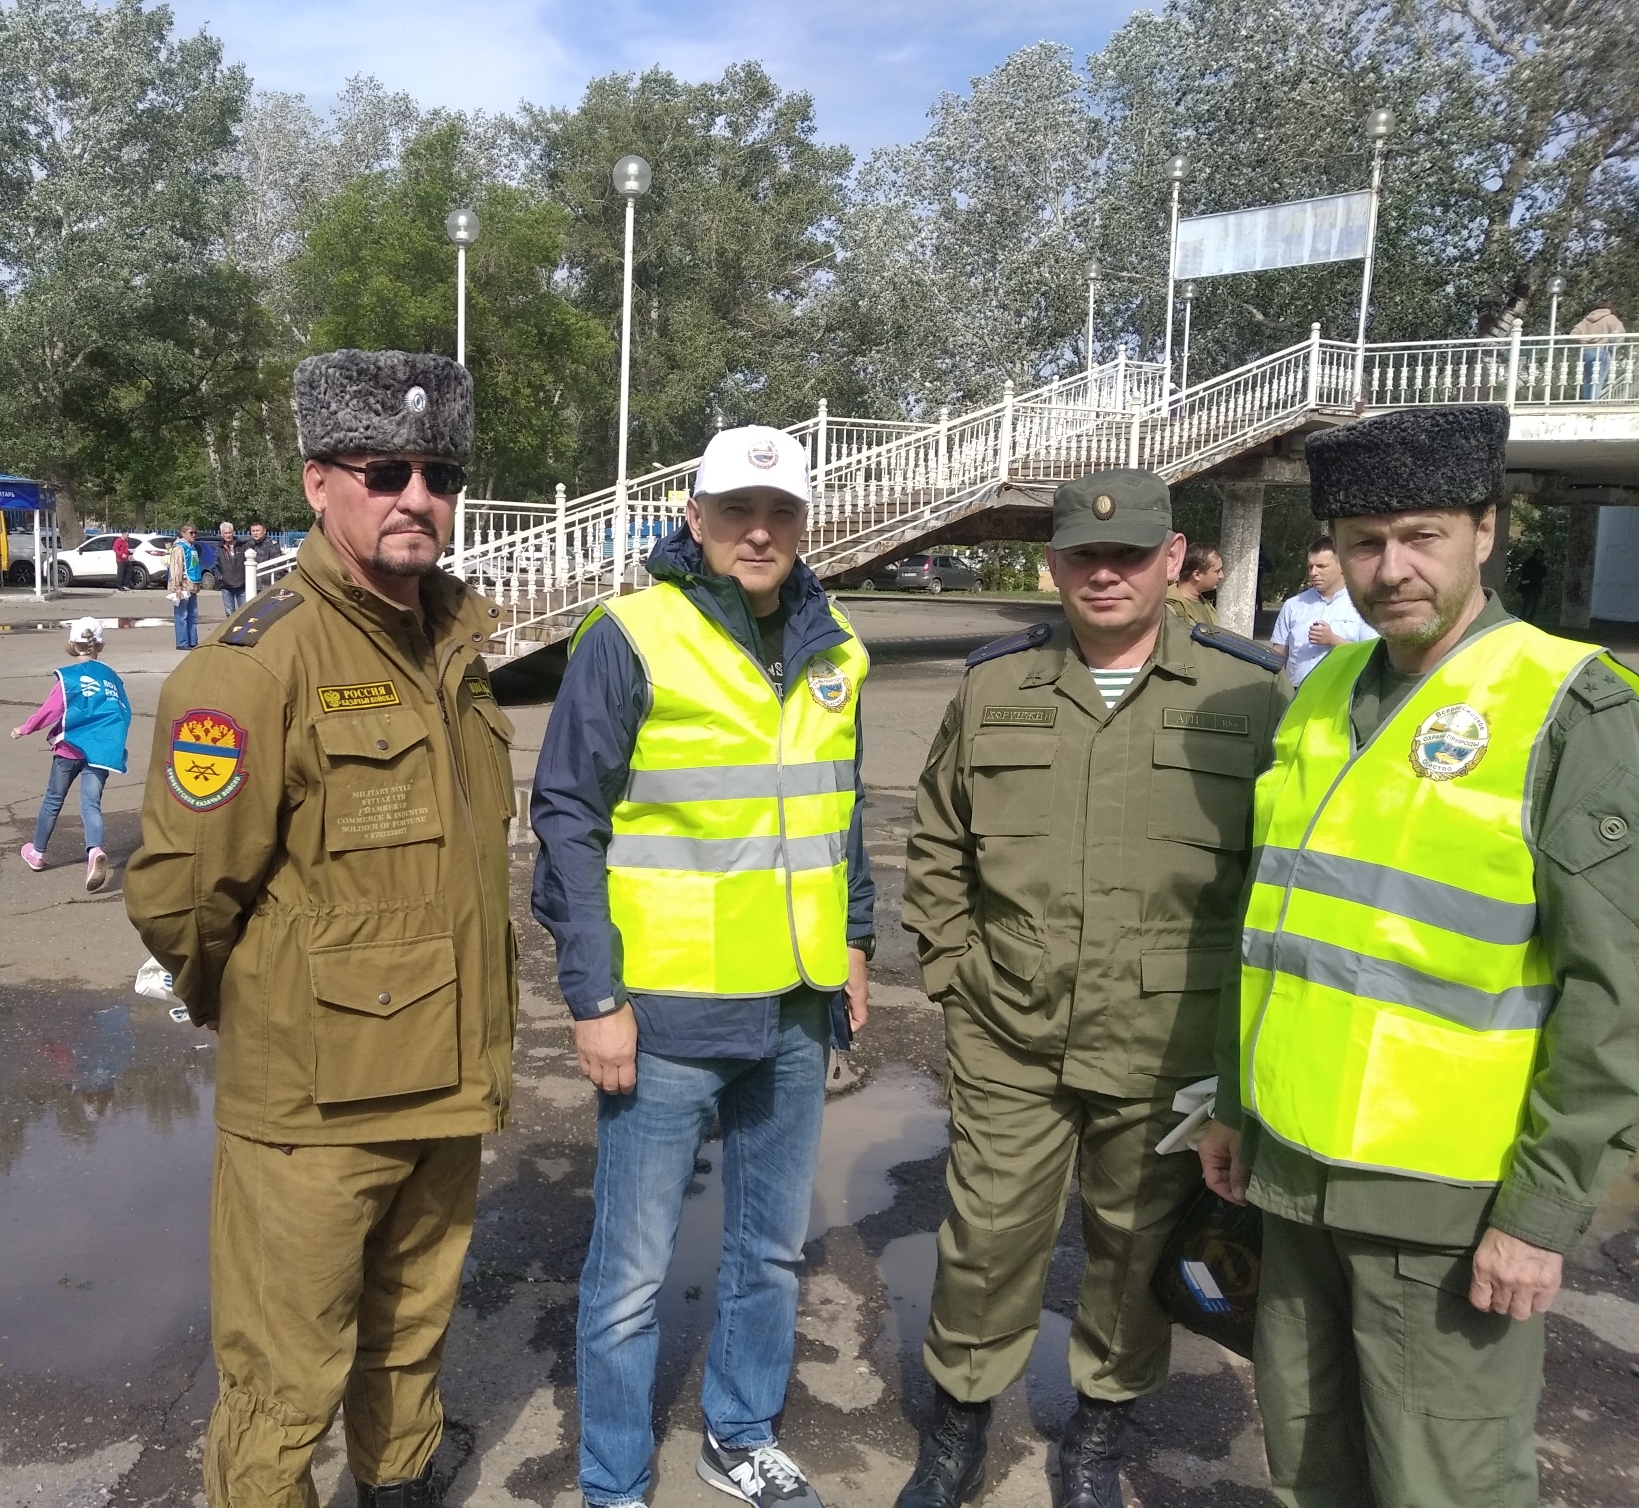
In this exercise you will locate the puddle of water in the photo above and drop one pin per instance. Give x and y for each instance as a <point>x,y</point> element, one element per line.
<point>105,1165</point>
<point>895,1118</point>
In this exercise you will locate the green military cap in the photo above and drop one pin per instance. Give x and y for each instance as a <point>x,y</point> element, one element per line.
<point>1112,508</point>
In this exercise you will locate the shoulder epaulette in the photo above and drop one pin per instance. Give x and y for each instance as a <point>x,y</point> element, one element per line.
<point>254,618</point>
<point>1026,638</point>
<point>1235,644</point>
<point>1605,682</point>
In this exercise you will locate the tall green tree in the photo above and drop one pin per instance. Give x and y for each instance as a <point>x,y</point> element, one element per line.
<point>377,271</point>
<point>731,242</point>
<point>123,329</point>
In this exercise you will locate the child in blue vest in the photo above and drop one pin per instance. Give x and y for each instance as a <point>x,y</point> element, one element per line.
<point>88,716</point>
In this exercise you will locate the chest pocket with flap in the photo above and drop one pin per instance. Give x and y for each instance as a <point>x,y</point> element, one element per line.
<point>497,735</point>
<point>1012,783</point>
<point>1201,789</point>
<point>378,782</point>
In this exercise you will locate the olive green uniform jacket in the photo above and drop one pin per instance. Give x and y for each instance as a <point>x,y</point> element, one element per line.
<point>1075,872</point>
<point>1191,609</point>
<point>1584,1105</point>
<point>343,912</point>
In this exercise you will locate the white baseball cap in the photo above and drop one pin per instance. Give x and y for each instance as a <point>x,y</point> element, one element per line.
<point>85,631</point>
<point>753,456</point>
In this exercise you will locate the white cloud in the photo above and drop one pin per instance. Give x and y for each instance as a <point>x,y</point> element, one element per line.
<point>873,66</point>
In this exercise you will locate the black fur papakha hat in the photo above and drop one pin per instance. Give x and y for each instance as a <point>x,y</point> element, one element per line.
<point>379,402</point>
<point>1409,461</point>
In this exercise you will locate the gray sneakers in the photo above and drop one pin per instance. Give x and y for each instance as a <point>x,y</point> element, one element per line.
<point>762,1475</point>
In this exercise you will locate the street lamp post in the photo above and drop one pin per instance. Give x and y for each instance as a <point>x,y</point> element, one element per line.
<point>1556,288</point>
<point>1186,291</point>
<point>461,226</point>
<point>1095,270</point>
<point>632,177</point>
<point>1378,126</point>
<point>1177,170</point>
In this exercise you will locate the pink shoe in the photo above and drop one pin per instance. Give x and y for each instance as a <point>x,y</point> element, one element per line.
<point>33,857</point>
<point>96,869</point>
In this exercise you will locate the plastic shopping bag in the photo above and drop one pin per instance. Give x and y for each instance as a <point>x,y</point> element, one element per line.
<point>154,982</point>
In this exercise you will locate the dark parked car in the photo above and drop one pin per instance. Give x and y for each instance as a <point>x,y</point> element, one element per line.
<point>882,577</point>
<point>936,573</point>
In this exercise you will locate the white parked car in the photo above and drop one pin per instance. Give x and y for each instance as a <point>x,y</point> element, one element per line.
<point>94,561</point>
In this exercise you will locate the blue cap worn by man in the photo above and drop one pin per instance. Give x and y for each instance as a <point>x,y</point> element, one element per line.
<point>1429,1065</point>
<point>704,875</point>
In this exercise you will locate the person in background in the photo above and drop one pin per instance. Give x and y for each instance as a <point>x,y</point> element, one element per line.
<point>1596,328</point>
<point>230,569</point>
<point>1202,570</point>
<point>87,718</point>
<point>1533,577</point>
<point>122,562</point>
<point>184,571</point>
<point>1429,1059</point>
<point>1317,620</point>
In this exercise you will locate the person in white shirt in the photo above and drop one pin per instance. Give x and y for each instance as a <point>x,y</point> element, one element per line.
<point>1310,623</point>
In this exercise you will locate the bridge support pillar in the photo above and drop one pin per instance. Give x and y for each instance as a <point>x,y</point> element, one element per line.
<point>1581,545</point>
<point>1239,534</point>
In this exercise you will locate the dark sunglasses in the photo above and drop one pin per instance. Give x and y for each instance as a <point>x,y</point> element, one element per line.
<point>443,477</point>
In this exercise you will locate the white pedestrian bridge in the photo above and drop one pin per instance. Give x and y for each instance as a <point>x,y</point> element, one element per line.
<point>882,488</point>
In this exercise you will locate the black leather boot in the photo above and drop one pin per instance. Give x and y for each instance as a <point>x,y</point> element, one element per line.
<point>950,1466</point>
<point>1090,1454</point>
<point>411,1492</point>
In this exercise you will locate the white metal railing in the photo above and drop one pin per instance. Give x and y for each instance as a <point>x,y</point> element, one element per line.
<point>877,483</point>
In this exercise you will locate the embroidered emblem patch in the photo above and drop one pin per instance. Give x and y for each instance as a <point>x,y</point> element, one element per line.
<point>764,455</point>
<point>1450,742</point>
<point>1103,505</point>
<point>1207,722</point>
<point>827,685</point>
<point>207,761</point>
<point>1018,717</point>
<point>477,686</point>
<point>351,698</point>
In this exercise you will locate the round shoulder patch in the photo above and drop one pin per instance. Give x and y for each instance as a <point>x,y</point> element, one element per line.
<point>1450,742</point>
<point>206,765</point>
<point>828,685</point>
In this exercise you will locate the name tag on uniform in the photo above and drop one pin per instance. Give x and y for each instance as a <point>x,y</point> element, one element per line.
<point>352,698</point>
<point>1018,717</point>
<point>1206,722</point>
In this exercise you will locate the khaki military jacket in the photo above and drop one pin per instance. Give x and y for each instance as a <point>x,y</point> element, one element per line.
<point>324,861</point>
<point>1074,872</point>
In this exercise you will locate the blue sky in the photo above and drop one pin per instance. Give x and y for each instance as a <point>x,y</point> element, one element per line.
<point>873,66</point>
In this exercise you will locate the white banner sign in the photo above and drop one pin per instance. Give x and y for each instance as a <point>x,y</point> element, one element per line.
<point>1298,234</point>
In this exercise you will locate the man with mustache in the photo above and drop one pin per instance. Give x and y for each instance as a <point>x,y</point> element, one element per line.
<point>703,872</point>
<point>324,872</point>
<point>1075,863</point>
<point>1429,1065</point>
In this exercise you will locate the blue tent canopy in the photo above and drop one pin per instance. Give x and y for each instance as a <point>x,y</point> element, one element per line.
<point>19,492</point>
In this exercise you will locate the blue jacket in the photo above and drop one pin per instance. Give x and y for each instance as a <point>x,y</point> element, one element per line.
<point>582,774</point>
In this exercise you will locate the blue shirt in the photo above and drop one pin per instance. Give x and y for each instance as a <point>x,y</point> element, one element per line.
<point>1291,631</point>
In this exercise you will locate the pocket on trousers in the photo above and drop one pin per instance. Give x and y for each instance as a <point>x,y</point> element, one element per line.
<point>385,1019</point>
<point>1459,1363</point>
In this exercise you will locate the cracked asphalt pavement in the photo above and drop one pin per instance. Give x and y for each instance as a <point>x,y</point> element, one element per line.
<point>105,1141</point>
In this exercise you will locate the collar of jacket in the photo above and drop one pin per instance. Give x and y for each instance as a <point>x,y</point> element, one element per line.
<point>808,621</point>
<point>452,609</point>
<point>1174,653</point>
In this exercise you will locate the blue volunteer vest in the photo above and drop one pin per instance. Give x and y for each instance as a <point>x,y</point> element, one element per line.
<point>96,713</point>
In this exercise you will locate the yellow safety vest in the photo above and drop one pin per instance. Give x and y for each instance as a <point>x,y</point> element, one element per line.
<point>728,864</point>
<point>1394,983</point>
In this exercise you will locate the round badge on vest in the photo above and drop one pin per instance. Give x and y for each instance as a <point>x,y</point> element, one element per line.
<point>1450,742</point>
<point>828,685</point>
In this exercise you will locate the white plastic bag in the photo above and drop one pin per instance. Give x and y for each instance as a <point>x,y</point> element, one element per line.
<point>1195,1102</point>
<point>155,983</point>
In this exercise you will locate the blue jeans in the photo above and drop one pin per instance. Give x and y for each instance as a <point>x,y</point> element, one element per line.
<point>770,1111</point>
<point>186,615</point>
<point>63,771</point>
<point>1596,372</point>
<point>233,598</point>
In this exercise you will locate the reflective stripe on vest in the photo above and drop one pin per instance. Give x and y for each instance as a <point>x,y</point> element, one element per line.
<point>1394,985</point>
<point>728,865</point>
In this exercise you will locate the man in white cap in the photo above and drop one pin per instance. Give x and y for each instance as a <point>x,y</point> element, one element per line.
<point>704,875</point>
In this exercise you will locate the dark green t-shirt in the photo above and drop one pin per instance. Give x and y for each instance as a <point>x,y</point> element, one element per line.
<point>771,636</point>
<point>1584,1106</point>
